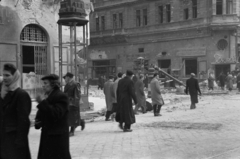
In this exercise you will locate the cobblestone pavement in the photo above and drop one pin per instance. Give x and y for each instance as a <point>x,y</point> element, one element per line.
<point>209,132</point>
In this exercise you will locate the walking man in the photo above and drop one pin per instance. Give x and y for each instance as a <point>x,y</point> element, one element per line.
<point>141,100</point>
<point>238,81</point>
<point>73,91</point>
<point>157,100</point>
<point>107,89</point>
<point>125,95</point>
<point>192,87</point>
<point>115,106</point>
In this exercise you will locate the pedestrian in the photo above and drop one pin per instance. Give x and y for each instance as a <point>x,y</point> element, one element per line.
<point>192,87</point>
<point>73,91</point>
<point>210,81</point>
<point>15,108</point>
<point>100,82</point>
<point>157,100</point>
<point>141,99</point>
<point>238,81</point>
<point>52,118</point>
<point>222,78</point>
<point>229,80</point>
<point>125,95</point>
<point>115,105</point>
<point>145,81</point>
<point>109,96</point>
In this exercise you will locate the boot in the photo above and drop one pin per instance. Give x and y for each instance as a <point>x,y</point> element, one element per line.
<point>82,124</point>
<point>158,109</point>
<point>155,109</point>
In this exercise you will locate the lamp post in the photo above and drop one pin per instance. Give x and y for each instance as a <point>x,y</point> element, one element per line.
<point>72,14</point>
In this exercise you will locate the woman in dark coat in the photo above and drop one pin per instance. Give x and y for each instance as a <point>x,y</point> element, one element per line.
<point>15,108</point>
<point>52,117</point>
<point>125,95</point>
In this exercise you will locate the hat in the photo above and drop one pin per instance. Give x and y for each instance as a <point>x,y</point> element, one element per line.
<point>68,74</point>
<point>193,74</point>
<point>129,73</point>
<point>50,77</point>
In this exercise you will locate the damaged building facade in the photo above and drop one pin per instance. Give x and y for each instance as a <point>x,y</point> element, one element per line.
<point>183,36</point>
<point>29,39</point>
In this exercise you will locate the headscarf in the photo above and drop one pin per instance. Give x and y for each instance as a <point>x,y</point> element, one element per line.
<point>13,85</point>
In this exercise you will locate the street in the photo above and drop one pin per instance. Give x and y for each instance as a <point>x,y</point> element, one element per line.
<point>209,132</point>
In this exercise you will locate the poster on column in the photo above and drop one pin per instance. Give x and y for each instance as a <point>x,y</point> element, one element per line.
<point>29,80</point>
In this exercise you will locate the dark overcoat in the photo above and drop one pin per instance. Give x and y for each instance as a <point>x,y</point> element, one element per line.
<point>139,89</point>
<point>125,95</point>
<point>192,87</point>
<point>73,92</point>
<point>15,109</point>
<point>222,79</point>
<point>238,81</point>
<point>53,118</point>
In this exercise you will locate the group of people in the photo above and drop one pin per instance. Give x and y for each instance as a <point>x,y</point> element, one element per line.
<point>57,111</point>
<point>225,81</point>
<point>124,92</point>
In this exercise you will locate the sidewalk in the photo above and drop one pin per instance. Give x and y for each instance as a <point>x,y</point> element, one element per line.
<point>209,132</point>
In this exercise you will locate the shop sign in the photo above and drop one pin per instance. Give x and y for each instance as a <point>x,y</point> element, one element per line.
<point>97,55</point>
<point>191,52</point>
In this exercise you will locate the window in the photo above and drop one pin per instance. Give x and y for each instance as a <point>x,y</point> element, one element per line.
<point>229,7</point>
<point>114,21</point>
<point>168,11</point>
<point>138,18</point>
<point>219,9</point>
<point>190,66</point>
<point>97,24</point>
<point>103,22</point>
<point>165,65</point>
<point>160,14</point>
<point>145,19</point>
<point>120,20</point>
<point>194,8</point>
<point>186,13</point>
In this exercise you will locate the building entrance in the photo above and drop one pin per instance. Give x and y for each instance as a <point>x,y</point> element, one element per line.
<point>225,68</point>
<point>34,58</point>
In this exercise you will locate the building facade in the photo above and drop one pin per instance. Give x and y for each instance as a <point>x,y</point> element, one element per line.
<point>29,39</point>
<point>181,36</point>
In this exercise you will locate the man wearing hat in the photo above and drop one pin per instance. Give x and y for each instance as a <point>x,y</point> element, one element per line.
<point>73,91</point>
<point>125,95</point>
<point>192,87</point>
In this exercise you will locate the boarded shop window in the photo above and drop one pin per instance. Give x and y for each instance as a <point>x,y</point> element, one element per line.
<point>186,13</point>
<point>168,12</point>
<point>97,24</point>
<point>194,8</point>
<point>120,20</point>
<point>114,21</point>
<point>160,14</point>
<point>138,18</point>
<point>145,17</point>
<point>190,66</point>
<point>219,7</point>
<point>103,22</point>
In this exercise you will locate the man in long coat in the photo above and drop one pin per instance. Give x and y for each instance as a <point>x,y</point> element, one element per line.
<point>192,87</point>
<point>109,96</point>
<point>157,100</point>
<point>222,79</point>
<point>141,100</point>
<point>238,81</point>
<point>115,86</point>
<point>125,95</point>
<point>72,90</point>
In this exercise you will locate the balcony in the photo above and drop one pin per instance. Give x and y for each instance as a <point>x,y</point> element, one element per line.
<point>224,22</point>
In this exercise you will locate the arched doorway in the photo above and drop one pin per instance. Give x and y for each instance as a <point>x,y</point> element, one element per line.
<point>34,46</point>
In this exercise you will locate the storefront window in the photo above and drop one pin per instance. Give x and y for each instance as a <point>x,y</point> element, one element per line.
<point>103,68</point>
